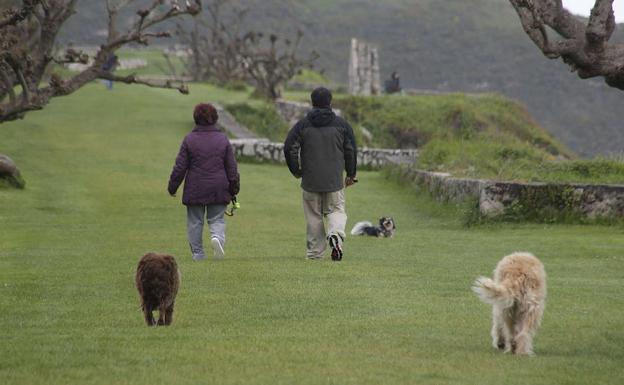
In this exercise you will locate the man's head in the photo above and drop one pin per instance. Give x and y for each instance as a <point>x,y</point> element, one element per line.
<point>205,114</point>
<point>321,98</point>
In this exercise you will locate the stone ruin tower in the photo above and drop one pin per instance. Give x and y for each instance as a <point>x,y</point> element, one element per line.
<point>364,76</point>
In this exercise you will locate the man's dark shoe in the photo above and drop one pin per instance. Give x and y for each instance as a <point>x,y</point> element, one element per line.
<point>334,243</point>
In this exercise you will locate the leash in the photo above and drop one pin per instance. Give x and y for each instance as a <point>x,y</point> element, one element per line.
<point>235,206</point>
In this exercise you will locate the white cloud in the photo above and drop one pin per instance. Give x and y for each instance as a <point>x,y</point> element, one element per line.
<point>583,7</point>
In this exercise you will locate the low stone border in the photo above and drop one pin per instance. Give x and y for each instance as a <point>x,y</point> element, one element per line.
<point>262,150</point>
<point>550,200</point>
<point>534,201</point>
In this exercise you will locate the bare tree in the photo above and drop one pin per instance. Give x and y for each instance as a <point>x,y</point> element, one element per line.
<point>223,52</point>
<point>584,46</point>
<point>28,32</point>
<point>216,43</point>
<point>270,66</point>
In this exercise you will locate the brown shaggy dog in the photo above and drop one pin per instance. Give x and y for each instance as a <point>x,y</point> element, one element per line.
<point>517,296</point>
<point>158,280</point>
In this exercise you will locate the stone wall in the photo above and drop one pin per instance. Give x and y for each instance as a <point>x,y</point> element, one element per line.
<point>262,150</point>
<point>533,201</point>
<point>552,201</point>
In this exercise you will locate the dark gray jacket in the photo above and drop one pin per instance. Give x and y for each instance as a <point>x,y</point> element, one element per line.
<point>326,146</point>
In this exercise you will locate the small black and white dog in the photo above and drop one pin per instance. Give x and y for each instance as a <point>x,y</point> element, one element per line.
<point>385,229</point>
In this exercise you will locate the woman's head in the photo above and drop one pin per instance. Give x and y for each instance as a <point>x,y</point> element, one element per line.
<point>205,114</point>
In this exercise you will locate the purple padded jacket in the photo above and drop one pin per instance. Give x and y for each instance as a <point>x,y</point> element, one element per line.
<point>206,163</point>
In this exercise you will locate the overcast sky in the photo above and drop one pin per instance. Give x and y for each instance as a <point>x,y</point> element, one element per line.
<point>583,7</point>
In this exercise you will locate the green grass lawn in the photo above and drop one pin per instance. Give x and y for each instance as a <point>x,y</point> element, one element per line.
<point>395,311</point>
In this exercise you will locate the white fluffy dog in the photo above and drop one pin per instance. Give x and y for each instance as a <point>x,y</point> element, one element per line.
<point>517,296</point>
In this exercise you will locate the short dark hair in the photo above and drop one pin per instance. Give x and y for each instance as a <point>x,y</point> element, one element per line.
<point>205,114</point>
<point>321,97</point>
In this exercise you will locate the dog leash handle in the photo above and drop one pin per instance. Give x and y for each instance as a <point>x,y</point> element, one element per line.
<point>235,206</point>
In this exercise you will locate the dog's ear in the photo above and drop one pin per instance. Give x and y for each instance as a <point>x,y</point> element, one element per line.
<point>381,221</point>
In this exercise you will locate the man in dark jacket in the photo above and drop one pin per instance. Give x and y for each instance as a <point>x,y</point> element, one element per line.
<point>206,163</point>
<point>326,146</point>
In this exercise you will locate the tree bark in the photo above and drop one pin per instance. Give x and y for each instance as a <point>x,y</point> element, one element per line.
<point>28,36</point>
<point>585,47</point>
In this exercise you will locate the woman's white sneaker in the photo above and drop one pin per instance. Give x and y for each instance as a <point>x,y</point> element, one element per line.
<point>217,247</point>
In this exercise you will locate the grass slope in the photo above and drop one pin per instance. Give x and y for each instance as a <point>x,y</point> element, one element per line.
<point>489,137</point>
<point>395,311</point>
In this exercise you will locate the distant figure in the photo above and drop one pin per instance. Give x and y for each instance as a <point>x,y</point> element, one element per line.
<point>207,165</point>
<point>326,146</point>
<point>110,66</point>
<point>393,85</point>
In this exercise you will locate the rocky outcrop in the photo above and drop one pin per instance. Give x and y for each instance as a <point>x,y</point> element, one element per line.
<point>9,173</point>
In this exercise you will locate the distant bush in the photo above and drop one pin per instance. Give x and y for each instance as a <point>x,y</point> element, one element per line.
<point>599,170</point>
<point>308,76</point>
<point>236,85</point>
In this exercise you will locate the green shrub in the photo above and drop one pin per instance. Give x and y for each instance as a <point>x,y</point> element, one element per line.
<point>599,170</point>
<point>308,76</point>
<point>236,85</point>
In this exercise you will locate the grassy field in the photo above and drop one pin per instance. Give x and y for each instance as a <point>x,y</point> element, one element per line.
<point>397,311</point>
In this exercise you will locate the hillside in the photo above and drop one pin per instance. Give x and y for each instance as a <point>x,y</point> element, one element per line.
<point>480,137</point>
<point>470,46</point>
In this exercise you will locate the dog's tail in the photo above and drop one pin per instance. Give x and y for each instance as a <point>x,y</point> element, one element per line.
<point>492,292</point>
<point>358,229</point>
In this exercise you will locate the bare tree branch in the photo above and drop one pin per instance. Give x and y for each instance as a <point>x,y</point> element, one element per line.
<point>27,44</point>
<point>157,83</point>
<point>273,66</point>
<point>6,83</point>
<point>13,17</point>
<point>601,24</point>
<point>222,53</point>
<point>216,49</point>
<point>583,46</point>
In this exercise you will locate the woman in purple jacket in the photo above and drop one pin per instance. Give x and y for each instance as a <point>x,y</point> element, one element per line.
<point>207,165</point>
